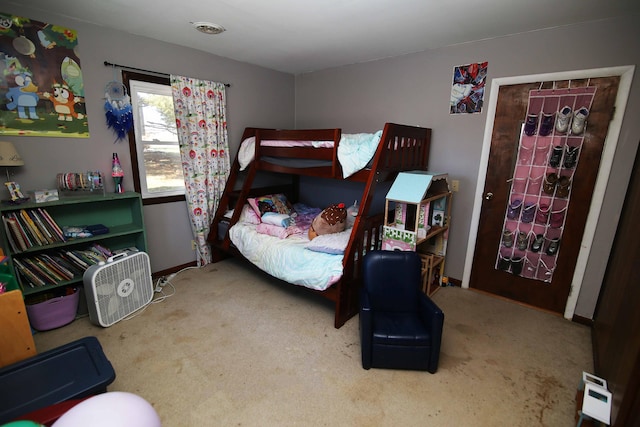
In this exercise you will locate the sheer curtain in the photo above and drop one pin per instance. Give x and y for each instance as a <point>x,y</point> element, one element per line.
<point>201,120</point>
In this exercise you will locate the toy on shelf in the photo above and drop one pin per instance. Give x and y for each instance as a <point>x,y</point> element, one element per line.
<point>117,173</point>
<point>80,181</point>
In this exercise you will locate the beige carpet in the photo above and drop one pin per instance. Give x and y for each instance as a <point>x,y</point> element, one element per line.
<point>234,348</point>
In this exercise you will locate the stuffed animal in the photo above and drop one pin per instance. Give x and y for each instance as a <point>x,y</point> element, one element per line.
<point>331,220</point>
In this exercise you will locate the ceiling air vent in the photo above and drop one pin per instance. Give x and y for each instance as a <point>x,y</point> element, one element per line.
<point>208,27</point>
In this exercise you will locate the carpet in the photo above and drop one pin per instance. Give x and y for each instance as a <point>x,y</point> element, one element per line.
<point>234,347</point>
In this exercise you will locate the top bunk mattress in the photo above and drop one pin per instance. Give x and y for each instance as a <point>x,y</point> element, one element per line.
<point>355,152</point>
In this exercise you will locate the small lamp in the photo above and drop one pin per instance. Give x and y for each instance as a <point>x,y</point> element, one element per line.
<point>10,157</point>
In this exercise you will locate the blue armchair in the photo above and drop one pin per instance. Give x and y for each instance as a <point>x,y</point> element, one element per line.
<point>400,327</point>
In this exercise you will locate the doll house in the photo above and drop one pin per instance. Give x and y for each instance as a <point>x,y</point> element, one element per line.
<point>417,218</point>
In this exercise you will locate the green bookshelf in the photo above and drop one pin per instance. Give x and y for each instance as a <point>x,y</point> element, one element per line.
<point>120,213</point>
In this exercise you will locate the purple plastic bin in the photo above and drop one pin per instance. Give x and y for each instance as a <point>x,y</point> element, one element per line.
<point>54,312</point>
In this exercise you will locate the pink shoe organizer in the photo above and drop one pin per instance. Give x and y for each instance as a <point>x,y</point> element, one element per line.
<point>530,209</point>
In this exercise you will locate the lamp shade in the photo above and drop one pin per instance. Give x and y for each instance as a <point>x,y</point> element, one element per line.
<point>8,155</point>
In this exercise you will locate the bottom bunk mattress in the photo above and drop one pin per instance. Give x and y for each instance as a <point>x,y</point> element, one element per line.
<point>288,254</point>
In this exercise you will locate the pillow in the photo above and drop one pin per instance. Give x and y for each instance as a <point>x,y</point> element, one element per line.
<point>248,215</point>
<point>334,243</point>
<point>277,203</point>
<point>282,220</point>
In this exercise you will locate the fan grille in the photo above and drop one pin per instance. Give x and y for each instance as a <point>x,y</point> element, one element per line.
<point>122,287</point>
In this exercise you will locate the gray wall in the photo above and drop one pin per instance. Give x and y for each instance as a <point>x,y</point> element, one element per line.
<point>257,97</point>
<point>415,89</point>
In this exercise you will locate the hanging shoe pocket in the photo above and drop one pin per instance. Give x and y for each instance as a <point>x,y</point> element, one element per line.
<point>536,245</point>
<point>564,119</point>
<point>549,184</point>
<point>528,212</point>
<point>542,215</point>
<point>504,262</point>
<point>570,157</point>
<point>545,272</point>
<point>507,238</point>
<point>556,156</point>
<point>552,246</point>
<point>513,211</point>
<point>564,186</point>
<point>557,218</point>
<point>546,126</point>
<point>516,265</point>
<point>531,125</point>
<point>522,242</point>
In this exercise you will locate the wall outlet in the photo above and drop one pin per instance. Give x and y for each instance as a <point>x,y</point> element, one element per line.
<point>455,185</point>
<point>193,245</point>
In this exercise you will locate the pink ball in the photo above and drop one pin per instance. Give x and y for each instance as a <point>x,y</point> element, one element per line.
<point>111,409</point>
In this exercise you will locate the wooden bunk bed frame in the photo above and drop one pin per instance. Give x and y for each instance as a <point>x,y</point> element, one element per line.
<point>401,148</point>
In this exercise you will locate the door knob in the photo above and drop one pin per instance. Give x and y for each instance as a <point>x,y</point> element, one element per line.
<point>488,196</point>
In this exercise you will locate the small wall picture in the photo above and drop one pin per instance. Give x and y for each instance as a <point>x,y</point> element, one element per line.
<point>467,91</point>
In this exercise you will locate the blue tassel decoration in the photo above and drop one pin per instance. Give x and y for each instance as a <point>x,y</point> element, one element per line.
<point>119,117</point>
<point>118,109</point>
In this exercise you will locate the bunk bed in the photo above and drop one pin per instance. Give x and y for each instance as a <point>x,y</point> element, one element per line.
<point>316,152</point>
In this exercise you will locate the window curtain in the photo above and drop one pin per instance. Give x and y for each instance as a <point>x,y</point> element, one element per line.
<point>201,120</point>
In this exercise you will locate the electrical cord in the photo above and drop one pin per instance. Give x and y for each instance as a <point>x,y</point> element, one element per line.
<point>161,283</point>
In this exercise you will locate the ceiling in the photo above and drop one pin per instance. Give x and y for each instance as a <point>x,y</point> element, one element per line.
<point>297,36</point>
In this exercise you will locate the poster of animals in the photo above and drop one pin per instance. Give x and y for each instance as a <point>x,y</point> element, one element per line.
<point>41,84</point>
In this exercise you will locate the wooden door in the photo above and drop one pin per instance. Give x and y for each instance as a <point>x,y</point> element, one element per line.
<point>511,110</point>
<point>617,319</point>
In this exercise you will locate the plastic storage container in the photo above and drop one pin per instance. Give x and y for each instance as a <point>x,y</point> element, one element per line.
<point>72,371</point>
<point>7,279</point>
<point>54,312</point>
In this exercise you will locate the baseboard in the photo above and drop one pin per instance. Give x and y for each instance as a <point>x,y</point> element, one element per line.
<point>582,320</point>
<point>168,271</point>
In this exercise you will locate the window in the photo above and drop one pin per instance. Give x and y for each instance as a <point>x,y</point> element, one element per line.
<point>155,153</point>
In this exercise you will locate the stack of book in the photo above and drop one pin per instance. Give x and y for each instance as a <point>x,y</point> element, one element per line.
<point>28,228</point>
<point>57,266</point>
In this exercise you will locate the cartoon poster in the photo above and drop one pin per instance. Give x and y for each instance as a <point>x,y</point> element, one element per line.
<point>41,84</point>
<point>467,92</point>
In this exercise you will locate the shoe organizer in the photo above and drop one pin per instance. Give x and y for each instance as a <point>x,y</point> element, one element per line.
<point>548,154</point>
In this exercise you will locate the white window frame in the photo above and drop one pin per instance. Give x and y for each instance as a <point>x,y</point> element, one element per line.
<point>159,89</point>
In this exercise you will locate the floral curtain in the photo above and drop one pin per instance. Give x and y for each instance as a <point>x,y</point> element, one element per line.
<point>201,120</point>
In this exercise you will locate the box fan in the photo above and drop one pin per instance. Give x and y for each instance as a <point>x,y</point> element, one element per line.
<point>117,288</point>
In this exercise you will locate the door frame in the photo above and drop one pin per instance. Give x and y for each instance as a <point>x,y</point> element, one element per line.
<point>610,145</point>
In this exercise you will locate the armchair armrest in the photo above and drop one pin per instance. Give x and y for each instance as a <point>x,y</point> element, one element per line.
<point>366,329</point>
<point>433,317</point>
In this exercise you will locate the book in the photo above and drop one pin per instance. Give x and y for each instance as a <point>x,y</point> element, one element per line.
<point>31,226</point>
<point>35,216</point>
<point>10,236</point>
<point>60,259</point>
<point>90,256</point>
<point>77,260</point>
<point>24,229</point>
<point>17,233</point>
<point>20,228</point>
<point>28,274</point>
<point>54,226</point>
<point>57,267</point>
<point>100,252</point>
<point>21,281</point>
<point>37,270</point>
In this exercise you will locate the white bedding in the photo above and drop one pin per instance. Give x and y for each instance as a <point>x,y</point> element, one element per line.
<point>354,151</point>
<point>247,150</point>
<point>287,259</point>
